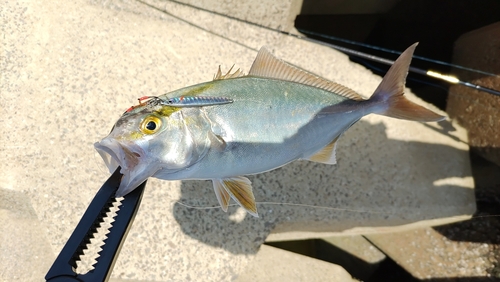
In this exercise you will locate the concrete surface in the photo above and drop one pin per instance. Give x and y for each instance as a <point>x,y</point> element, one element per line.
<point>273,264</point>
<point>68,71</point>
<point>271,13</point>
<point>357,246</point>
<point>24,249</point>
<point>355,254</point>
<point>358,256</point>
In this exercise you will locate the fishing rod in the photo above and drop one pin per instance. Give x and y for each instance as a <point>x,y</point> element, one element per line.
<point>444,77</point>
<point>429,73</point>
<point>378,48</point>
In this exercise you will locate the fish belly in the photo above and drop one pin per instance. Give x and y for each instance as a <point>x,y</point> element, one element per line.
<point>269,124</point>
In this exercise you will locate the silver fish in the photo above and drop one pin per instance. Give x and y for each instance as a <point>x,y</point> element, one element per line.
<point>279,113</point>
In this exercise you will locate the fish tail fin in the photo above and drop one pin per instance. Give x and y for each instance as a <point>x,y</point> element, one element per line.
<point>389,95</point>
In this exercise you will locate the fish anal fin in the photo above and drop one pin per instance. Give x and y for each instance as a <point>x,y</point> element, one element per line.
<point>326,155</point>
<point>221,194</point>
<point>268,66</point>
<point>240,189</point>
<point>220,76</point>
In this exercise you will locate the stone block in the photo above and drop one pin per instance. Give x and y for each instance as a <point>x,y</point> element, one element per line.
<point>354,253</point>
<point>273,264</point>
<point>270,13</point>
<point>428,254</point>
<point>475,110</point>
<point>70,69</point>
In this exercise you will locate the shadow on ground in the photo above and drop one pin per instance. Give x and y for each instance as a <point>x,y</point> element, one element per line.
<point>359,182</point>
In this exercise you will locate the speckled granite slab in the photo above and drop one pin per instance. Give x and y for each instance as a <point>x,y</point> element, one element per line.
<point>69,69</point>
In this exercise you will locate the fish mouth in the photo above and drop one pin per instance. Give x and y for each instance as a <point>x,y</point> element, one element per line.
<point>132,161</point>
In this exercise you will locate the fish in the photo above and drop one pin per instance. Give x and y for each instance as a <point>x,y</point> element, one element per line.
<point>274,115</point>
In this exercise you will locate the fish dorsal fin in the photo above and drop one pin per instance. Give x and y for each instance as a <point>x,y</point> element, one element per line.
<point>220,76</point>
<point>268,66</point>
<point>327,154</point>
<point>240,189</point>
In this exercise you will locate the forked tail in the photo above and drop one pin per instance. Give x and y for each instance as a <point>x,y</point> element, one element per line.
<point>389,99</point>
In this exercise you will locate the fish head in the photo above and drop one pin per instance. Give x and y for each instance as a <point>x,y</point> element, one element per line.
<point>144,142</point>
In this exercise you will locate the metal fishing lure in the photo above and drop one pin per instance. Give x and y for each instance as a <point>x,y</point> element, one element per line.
<point>196,101</point>
<point>180,102</point>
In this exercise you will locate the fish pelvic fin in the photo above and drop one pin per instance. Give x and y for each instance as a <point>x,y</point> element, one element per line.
<point>240,189</point>
<point>327,154</point>
<point>390,93</point>
<point>221,194</point>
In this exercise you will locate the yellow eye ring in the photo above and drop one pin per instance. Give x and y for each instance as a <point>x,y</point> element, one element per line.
<point>150,124</point>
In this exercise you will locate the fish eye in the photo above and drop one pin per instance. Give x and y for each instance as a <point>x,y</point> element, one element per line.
<point>150,124</point>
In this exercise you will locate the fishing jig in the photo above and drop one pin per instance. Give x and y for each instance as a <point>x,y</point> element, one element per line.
<point>196,101</point>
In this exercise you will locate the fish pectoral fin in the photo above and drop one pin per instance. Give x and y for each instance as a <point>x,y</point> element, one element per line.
<point>240,189</point>
<point>327,154</point>
<point>217,142</point>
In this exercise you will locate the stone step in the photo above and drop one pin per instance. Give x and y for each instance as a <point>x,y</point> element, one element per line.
<point>354,253</point>
<point>273,264</point>
<point>426,253</point>
<point>74,67</point>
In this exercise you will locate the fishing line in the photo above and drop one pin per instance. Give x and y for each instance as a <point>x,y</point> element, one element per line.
<point>436,75</point>
<point>314,207</point>
<point>321,207</point>
<point>195,25</point>
<point>430,73</point>
<point>98,163</point>
<point>286,204</point>
<point>487,215</point>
